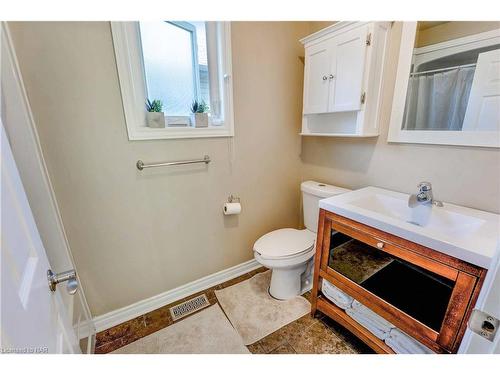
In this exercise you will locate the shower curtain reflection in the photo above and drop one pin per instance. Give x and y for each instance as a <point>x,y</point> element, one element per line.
<point>438,100</point>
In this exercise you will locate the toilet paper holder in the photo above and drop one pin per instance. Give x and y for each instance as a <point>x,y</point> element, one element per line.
<point>233,199</point>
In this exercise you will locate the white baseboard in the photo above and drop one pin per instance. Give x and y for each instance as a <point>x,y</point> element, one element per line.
<point>108,320</point>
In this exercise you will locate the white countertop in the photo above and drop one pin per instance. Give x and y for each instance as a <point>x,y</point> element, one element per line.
<point>465,233</point>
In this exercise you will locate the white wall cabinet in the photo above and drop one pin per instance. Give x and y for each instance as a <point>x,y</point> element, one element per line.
<point>342,79</point>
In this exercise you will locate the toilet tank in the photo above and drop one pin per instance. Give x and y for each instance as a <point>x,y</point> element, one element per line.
<point>312,192</point>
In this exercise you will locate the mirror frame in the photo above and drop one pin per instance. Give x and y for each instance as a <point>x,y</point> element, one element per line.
<point>436,137</point>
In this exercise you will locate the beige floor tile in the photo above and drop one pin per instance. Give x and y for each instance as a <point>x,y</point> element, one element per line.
<point>319,339</point>
<point>256,348</point>
<point>285,334</point>
<point>274,340</point>
<point>283,349</point>
<point>109,346</point>
<point>119,331</point>
<point>346,336</point>
<point>156,320</point>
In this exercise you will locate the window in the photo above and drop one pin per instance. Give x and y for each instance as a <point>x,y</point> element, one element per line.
<point>177,63</point>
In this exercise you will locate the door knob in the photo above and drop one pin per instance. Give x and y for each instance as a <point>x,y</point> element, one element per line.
<point>331,76</point>
<point>325,78</point>
<point>56,278</point>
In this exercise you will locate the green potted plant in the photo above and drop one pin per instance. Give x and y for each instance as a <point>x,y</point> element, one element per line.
<point>199,117</point>
<point>155,117</point>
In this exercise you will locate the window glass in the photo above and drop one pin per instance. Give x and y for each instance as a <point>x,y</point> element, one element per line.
<point>175,64</point>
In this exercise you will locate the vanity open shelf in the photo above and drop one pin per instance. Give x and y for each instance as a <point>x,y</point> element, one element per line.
<point>424,293</point>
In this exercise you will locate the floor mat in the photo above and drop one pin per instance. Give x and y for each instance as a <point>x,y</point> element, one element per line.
<point>206,332</point>
<point>254,313</point>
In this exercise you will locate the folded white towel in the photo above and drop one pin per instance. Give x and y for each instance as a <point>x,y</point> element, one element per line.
<point>401,343</point>
<point>380,322</point>
<point>370,320</point>
<point>334,294</point>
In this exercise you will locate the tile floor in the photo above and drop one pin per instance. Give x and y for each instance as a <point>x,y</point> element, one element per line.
<point>306,335</point>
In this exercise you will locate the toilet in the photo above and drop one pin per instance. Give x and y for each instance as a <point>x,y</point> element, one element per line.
<point>289,252</point>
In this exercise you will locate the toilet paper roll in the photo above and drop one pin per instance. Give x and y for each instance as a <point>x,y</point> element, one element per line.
<point>232,208</point>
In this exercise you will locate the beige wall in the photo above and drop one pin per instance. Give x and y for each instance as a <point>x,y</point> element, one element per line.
<point>445,31</point>
<point>318,25</point>
<point>134,235</point>
<point>467,176</point>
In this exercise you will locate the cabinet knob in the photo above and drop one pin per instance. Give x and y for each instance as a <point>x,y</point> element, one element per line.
<point>325,78</point>
<point>331,76</point>
<point>380,245</point>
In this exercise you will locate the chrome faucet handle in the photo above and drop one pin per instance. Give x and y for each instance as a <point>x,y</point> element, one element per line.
<point>424,186</point>
<point>424,196</point>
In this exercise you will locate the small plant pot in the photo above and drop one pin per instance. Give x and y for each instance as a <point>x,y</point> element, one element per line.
<point>155,119</point>
<point>199,120</point>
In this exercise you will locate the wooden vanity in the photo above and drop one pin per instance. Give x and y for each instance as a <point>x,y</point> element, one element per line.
<point>425,293</point>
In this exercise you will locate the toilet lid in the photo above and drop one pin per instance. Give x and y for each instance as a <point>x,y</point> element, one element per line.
<point>284,242</point>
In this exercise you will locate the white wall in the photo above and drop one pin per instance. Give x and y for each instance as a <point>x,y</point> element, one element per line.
<point>136,234</point>
<point>468,176</point>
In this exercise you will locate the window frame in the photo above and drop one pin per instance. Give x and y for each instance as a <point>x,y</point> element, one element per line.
<point>132,79</point>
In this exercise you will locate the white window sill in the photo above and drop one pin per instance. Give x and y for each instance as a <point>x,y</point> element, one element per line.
<point>144,133</point>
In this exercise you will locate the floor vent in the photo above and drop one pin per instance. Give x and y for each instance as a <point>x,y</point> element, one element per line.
<point>188,307</point>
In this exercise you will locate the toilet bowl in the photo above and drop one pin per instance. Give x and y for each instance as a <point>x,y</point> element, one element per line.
<point>289,252</point>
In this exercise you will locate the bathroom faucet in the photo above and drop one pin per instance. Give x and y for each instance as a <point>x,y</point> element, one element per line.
<point>424,196</point>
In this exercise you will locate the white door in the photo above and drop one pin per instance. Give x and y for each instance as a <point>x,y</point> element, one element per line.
<point>317,81</point>
<point>489,303</point>
<point>33,319</point>
<point>20,129</point>
<point>348,63</point>
<point>483,109</point>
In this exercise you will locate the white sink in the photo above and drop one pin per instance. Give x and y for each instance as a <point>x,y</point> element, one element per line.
<point>465,233</point>
<point>434,218</point>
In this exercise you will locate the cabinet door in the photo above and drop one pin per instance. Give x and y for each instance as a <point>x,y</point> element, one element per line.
<point>348,63</point>
<point>316,82</point>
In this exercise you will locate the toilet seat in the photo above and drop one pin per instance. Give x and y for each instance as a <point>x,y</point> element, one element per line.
<point>285,243</point>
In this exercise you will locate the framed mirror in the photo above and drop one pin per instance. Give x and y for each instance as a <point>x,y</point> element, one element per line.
<point>447,87</point>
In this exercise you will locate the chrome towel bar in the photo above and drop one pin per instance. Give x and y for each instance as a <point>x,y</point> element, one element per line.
<point>141,165</point>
